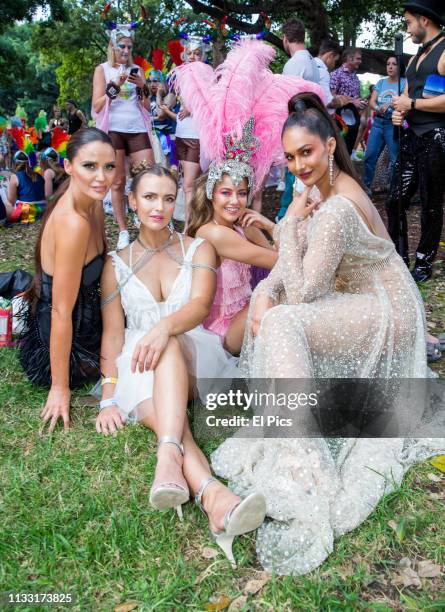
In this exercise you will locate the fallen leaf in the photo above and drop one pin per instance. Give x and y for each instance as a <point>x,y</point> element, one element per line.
<point>434,477</point>
<point>438,462</point>
<point>433,495</point>
<point>221,603</point>
<point>238,603</point>
<point>126,607</point>
<point>392,524</point>
<point>428,569</point>
<point>209,553</point>
<point>407,577</point>
<point>253,586</point>
<point>399,527</point>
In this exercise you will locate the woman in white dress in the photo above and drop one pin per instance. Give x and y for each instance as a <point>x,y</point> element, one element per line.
<point>155,350</point>
<point>339,303</point>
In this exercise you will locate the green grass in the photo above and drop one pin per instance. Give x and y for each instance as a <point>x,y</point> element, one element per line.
<point>75,517</point>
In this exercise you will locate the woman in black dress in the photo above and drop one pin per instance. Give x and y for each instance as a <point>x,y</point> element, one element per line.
<point>61,345</point>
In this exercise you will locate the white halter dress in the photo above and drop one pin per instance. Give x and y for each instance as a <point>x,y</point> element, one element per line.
<point>206,359</point>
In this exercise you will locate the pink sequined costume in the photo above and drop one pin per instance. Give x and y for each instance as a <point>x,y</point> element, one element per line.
<point>233,293</point>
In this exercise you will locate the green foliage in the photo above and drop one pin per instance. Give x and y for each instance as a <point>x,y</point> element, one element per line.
<point>25,78</point>
<point>18,10</point>
<point>348,19</point>
<point>80,44</point>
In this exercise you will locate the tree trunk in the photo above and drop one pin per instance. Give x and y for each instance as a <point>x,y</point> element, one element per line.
<point>218,51</point>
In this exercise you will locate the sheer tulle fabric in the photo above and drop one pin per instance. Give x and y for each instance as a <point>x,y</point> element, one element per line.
<point>346,306</point>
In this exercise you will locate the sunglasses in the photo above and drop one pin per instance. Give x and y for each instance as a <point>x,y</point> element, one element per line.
<point>153,81</point>
<point>122,46</point>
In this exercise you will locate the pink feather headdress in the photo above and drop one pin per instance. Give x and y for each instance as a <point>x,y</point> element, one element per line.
<point>240,89</point>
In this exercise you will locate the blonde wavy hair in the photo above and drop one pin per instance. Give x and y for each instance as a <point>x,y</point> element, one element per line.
<point>111,54</point>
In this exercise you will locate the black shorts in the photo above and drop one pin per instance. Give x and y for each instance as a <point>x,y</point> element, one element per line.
<point>130,143</point>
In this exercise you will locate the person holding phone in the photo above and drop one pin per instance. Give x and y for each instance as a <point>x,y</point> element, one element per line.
<point>121,102</point>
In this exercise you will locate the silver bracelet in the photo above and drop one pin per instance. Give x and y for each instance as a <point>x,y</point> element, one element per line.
<point>107,403</point>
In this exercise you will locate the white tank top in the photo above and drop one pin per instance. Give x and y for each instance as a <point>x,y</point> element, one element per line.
<point>125,115</point>
<point>186,128</point>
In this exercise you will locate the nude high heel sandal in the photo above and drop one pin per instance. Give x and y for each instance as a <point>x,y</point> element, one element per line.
<point>246,515</point>
<point>170,494</point>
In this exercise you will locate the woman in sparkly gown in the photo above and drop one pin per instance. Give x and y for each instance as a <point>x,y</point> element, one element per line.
<point>340,303</point>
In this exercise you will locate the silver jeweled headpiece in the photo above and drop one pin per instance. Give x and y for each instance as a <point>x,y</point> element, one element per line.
<point>236,162</point>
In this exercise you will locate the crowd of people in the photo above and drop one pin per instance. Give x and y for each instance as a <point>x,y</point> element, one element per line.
<point>323,293</point>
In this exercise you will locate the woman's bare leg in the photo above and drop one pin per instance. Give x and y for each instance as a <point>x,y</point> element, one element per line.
<point>235,334</point>
<point>194,467</point>
<point>190,172</point>
<point>118,190</point>
<point>170,405</point>
<point>139,156</point>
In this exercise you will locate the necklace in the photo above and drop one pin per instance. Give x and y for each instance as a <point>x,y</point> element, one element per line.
<point>429,44</point>
<point>157,249</point>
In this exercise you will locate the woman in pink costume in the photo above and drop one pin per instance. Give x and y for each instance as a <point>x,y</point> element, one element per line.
<point>240,108</point>
<point>219,214</point>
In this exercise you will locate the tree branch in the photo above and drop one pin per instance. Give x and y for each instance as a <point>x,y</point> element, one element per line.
<point>311,11</point>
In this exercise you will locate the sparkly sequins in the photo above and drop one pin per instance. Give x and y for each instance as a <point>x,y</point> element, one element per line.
<point>235,164</point>
<point>373,326</point>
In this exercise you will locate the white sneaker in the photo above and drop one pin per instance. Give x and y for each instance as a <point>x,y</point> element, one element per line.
<point>123,241</point>
<point>281,186</point>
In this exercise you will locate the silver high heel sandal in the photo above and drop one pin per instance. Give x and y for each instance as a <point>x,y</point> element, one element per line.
<point>246,515</point>
<point>170,494</point>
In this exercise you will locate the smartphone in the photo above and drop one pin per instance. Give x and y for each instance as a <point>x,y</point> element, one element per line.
<point>134,71</point>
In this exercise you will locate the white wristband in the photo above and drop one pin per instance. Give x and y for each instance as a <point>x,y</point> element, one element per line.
<point>107,403</point>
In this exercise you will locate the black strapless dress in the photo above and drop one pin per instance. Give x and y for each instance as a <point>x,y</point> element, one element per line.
<point>87,331</point>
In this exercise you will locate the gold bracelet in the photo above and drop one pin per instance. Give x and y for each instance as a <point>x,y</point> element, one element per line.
<point>109,379</point>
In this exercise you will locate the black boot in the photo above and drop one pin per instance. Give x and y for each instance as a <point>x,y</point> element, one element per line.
<point>423,269</point>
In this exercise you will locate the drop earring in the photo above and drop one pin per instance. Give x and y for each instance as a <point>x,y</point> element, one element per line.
<point>331,170</point>
<point>136,220</point>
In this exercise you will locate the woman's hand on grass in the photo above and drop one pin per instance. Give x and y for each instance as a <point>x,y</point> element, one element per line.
<point>109,420</point>
<point>57,406</point>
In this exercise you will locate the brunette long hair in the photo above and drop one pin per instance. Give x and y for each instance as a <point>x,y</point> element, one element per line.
<point>201,208</point>
<point>307,110</point>
<point>82,137</point>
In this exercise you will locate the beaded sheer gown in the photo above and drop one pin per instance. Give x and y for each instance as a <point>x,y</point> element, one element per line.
<point>345,307</point>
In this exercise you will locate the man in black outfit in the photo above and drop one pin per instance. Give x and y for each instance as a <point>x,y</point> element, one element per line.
<point>423,143</point>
